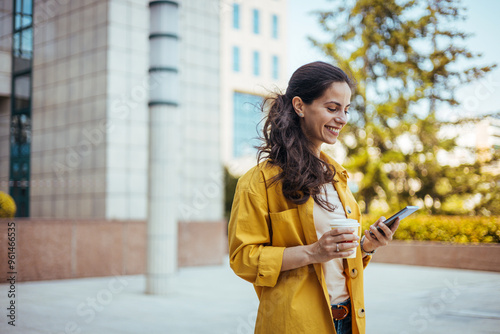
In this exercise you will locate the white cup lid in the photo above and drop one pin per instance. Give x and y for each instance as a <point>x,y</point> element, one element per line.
<point>344,222</point>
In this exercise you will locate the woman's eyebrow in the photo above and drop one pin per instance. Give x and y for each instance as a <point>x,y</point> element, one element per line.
<point>335,102</point>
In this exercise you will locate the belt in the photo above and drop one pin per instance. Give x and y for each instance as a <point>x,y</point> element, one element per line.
<point>339,312</point>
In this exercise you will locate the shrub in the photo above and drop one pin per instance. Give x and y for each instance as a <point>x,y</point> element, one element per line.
<point>7,206</point>
<point>455,229</point>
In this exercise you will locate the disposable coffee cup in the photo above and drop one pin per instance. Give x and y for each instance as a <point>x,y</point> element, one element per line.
<point>347,222</point>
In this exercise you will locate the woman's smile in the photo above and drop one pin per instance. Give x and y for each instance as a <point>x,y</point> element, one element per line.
<point>333,130</point>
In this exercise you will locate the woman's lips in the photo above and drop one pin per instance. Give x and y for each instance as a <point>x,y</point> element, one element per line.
<point>332,130</point>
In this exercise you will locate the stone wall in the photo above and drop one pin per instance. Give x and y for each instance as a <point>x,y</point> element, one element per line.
<point>444,255</point>
<point>49,249</point>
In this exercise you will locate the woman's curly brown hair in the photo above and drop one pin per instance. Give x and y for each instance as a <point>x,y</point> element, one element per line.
<point>302,174</point>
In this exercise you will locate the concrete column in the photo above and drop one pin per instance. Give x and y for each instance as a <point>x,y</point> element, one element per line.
<point>164,146</point>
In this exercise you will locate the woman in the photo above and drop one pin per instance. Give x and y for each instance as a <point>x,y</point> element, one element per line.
<point>279,234</point>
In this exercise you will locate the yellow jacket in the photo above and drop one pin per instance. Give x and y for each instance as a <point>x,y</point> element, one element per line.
<point>262,224</point>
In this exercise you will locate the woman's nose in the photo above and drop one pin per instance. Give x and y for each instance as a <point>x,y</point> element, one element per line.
<point>341,118</point>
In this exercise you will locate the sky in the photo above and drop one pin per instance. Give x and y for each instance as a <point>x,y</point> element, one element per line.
<point>482,21</point>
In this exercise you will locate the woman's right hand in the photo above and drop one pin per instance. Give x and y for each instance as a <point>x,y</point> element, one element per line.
<point>325,248</point>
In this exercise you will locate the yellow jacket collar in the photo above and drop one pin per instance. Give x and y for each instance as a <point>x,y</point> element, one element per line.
<point>338,167</point>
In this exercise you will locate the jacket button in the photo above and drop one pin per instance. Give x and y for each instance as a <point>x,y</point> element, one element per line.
<point>353,273</point>
<point>361,313</point>
<point>349,209</point>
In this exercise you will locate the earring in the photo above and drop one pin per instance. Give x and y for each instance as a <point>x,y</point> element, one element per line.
<point>301,114</point>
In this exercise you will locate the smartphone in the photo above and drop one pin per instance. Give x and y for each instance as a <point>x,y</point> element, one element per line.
<point>401,214</point>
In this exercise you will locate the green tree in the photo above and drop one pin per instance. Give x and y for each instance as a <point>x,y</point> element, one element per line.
<point>472,189</point>
<point>402,55</point>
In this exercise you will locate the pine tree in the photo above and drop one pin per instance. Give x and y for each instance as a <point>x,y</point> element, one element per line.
<point>402,55</point>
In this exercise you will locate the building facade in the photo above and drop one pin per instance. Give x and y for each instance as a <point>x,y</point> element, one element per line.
<point>75,87</point>
<point>253,64</point>
<point>90,90</point>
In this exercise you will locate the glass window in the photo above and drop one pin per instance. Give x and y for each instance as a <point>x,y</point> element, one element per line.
<point>256,21</point>
<point>236,16</point>
<point>27,7</point>
<point>20,128</point>
<point>21,134</point>
<point>256,63</point>
<point>27,43</point>
<point>26,20</point>
<point>275,67</point>
<point>247,116</point>
<point>236,59</point>
<point>16,49</point>
<point>22,86</point>
<point>23,14</point>
<point>17,21</point>
<point>19,6</point>
<point>274,26</point>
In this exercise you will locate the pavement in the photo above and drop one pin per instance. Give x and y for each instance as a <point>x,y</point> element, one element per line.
<point>399,299</point>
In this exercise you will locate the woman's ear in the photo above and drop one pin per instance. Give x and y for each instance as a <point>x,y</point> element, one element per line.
<point>298,106</point>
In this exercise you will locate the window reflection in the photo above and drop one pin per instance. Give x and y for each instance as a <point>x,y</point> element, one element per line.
<point>22,87</point>
<point>27,43</point>
<point>16,47</point>
<point>20,129</point>
<point>27,7</point>
<point>26,21</point>
<point>23,14</point>
<point>19,5</point>
<point>18,21</point>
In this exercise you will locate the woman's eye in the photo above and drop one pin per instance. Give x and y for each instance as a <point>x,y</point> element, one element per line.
<point>346,111</point>
<point>332,110</point>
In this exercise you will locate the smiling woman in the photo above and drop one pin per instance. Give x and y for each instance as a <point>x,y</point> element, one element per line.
<point>311,112</point>
<point>308,276</point>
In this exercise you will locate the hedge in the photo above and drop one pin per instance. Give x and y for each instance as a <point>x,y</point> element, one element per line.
<point>455,229</point>
<point>7,206</point>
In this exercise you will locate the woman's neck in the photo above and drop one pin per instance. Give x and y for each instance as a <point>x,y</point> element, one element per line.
<point>317,151</point>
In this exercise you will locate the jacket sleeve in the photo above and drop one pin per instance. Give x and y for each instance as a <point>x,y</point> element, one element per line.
<point>251,255</point>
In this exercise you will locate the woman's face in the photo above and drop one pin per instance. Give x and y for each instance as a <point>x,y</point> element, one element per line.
<point>326,116</point>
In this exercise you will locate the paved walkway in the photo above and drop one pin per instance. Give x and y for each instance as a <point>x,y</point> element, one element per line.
<point>399,299</point>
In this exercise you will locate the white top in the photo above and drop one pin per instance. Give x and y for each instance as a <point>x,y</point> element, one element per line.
<point>333,269</point>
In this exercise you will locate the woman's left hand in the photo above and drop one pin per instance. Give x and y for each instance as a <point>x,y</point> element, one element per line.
<point>381,239</point>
